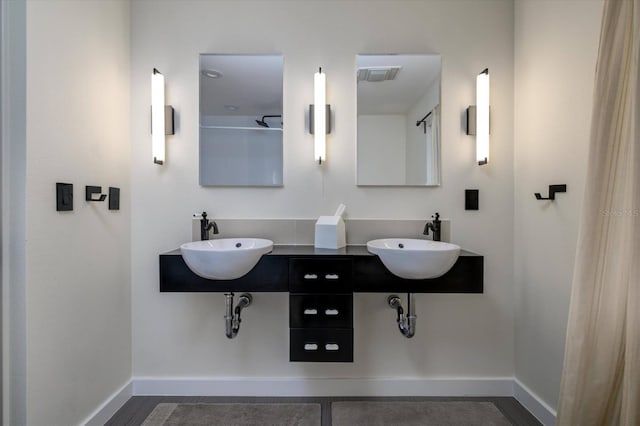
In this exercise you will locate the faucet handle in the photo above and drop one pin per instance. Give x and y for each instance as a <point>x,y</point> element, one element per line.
<point>436,217</point>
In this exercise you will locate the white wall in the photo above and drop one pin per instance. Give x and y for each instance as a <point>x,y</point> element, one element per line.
<point>382,146</point>
<point>459,335</point>
<point>556,44</point>
<point>78,310</point>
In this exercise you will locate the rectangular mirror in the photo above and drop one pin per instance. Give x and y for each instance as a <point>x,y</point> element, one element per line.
<point>240,120</point>
<point>398,120</point>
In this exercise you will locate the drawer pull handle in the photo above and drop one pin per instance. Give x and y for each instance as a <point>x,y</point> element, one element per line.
<point>331,277</point>
<point>311,312</point>
<point>332,347</point>
<point>331,312</point>
<point>310,276</point>
<point>310,347</point>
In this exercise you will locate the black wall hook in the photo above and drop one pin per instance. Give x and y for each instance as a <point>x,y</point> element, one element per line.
<point>553,189</point>
<point>91,190</point>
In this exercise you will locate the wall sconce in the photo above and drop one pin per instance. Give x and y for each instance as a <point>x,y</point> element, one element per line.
<point>320,117</point>
<point>161,117</point>
<point>478,118</point>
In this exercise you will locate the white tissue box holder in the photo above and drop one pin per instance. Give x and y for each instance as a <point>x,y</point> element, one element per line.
<point>330,232</point>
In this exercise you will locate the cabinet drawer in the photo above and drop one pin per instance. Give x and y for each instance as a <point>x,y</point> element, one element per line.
<point>320,311</point>
<point>321,345</point>
<point>321,275</point>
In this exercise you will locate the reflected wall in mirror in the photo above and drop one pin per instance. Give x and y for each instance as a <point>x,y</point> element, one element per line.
<point>398,120</point>
<point>240,120</point>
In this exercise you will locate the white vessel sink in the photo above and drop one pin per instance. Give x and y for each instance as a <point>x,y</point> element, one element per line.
<point>415,259</point>
<point>226,258</point>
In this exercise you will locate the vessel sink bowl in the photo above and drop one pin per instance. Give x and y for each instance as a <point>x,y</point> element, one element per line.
<point>415,259</point>
<point>226,258</point>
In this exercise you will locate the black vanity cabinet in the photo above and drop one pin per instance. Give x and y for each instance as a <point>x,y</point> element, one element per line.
<point>321,309</point>
<point>321,284</point>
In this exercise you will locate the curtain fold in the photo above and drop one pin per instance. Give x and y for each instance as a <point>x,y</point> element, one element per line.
<point>601,374</point>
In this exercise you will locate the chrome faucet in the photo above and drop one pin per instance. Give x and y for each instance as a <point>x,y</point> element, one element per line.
<point>206,226</point>
<point>435,225</point>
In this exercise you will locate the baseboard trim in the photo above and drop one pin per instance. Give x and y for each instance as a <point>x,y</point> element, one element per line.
<point>295,386</point>
<point>110,406</point>
<point>242,386</point>
<point>536,406</point>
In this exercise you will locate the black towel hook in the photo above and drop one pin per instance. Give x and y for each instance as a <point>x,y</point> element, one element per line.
<point>553,189</point>
<point>91,190</point>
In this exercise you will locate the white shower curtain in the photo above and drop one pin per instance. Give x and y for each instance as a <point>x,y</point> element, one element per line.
<point>601,376</point>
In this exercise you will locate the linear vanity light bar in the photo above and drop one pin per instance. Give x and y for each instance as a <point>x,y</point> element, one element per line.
<point>478,118</point>
<point>161,118</point>
<point>319,117</point>
<point>482,117</point>
<point>157,117</point>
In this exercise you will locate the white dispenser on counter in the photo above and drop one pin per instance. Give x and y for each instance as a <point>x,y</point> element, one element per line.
<point>330,230</point>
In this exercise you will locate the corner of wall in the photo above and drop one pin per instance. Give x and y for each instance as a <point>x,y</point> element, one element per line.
<point>13,177</point>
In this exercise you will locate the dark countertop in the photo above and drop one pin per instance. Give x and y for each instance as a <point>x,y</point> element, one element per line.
<point>308,250</point>
<point>362,271</point>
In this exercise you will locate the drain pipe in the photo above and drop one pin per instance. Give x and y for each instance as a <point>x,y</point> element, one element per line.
<point>232,319</point>
<point>406,324</point>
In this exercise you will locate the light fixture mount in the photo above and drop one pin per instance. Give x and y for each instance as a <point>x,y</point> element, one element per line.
<point>327,119</point>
